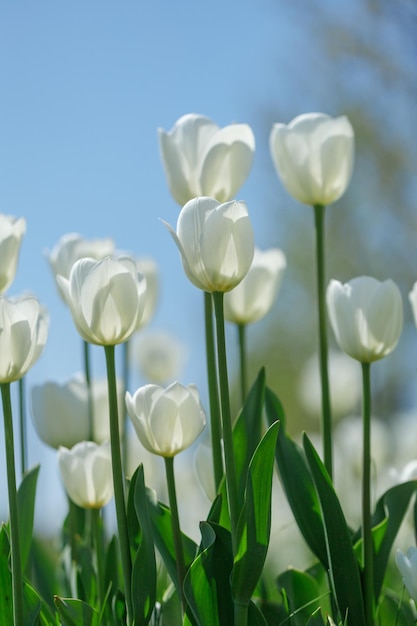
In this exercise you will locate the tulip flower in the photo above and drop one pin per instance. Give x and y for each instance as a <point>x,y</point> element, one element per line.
<point>23,333</point>
<point>86,472</point>
<point>313,156</point>
<point>166,421</point>
<point>366,316</point>
<point>60,411</point>
<point>216,243</point>
<point>160,356</point>
<point>106,299</point>
<point>71,248</point>
<point>149,269</point>
<point>407,564</point>
<point>11,233</point>
<point>201,159</point>
<point>253,298</point>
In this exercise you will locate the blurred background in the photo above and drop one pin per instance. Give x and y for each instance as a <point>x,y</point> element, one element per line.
<point>84,88</point>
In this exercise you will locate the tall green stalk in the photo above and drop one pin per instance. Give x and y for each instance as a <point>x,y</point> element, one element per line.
<point>241,328</point>
<point>231,480</point>
<point>367,548</point>
<point>319,212</point>
<point>87,373</point>
<point>97,531</point>
<point>17,577</point>
<point>213,388</point>
<point>118,481</point>
<point>22,424</point>
<point>175,523</point>
<point>126,372</point>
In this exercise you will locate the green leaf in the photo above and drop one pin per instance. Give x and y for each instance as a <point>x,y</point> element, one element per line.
<point>144,565</point>
<point>343,565</point>
<point>160,516</point>
<point>302,593</point>
<point>76,612</point>
<point>26,508</point>
<point>298,483</point>
<point>31,605</point>
<point>255,617</point>
<point>254,524</point>
<point>6,595</point>
<point>207,582</point>
<point>111,570</point>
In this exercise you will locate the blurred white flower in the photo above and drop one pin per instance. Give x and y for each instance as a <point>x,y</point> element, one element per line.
<point>407,564</point>
<point>149,269</point>
<point>86,472</point>
<point>313,156</point>
<point>345,384</point>
<point>254,296</point>
<point>201,159</point>
<point>160,356</point>
<point>12,230</point>
<point>71,248</point>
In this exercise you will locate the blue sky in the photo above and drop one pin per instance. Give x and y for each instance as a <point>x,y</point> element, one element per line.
<point>84,87</point>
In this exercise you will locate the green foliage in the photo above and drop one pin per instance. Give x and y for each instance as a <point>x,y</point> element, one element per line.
<point>76,612</point>
<point>26,507</point>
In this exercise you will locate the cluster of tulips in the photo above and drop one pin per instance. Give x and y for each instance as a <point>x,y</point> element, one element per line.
<point>150,572</point>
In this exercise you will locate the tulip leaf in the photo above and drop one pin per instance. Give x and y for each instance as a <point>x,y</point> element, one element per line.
<point>160,516</point>
<point>254,525</point>
<point>343,565</point>
<point>26,509</point>
<point>255,616</point>
<point>207,582</point>
<point>144,565</point>
<point>302,595</point>
<point>76,612</point>
<point>297,482</point>
<point>112,575</point>
<point>6,595</point>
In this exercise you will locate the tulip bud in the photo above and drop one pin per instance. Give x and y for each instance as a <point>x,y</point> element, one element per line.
<point>86,472</point>
<point>254,296</point>
<point>201,159</point>
<point>60,411</point>
<point>313,157</point>
<point>216,243</point>
<point>71,248</point>
<point>407,564</point>
<point>366,316</point>
<point>23,334</point>
<point>166,420</point>
<point>11,233</point>
<point>106,299</point>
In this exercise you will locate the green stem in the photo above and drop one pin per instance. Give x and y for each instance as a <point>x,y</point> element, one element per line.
<point>87,372</point>
<point>97,529</point>
<point>17,578</point>
<point>22,423</point>
<point>319,211</point>
<point>118,481</point>
<point>231,481</point>
<point>213,389</point>
<point>175,523</point>
<point>241,614</point>
<point>368,549</point>
<point>242,356</point>
<point>126,359</point>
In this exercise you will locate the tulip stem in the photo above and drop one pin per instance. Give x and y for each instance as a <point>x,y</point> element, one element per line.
<point>319,211</point>
<point>231,481</point>
<point>22,424</point>
<point>126,360</point>
<point>367,548</point>
<point>242,355</point>
<point>175,524</point>
<point>213,389</point>
<point>87,372</point>
<point>118,481</point>
<point>97,523</point>
<point>17,578</point>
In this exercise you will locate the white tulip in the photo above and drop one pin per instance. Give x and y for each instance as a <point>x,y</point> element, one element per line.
<point>86,472</point>
<point>216,243</point>
<point>11,234</point>
<point>71,248</point>
<point>313,156</point>
<point>407,564</point>
<point>149,269</point>
<point>366,316</point>
<point>201,159</point>
<point>160,356</point>
<point>166,420</point>
<point>106,299</point>
<point>254,296</point>
<point>23,334</point>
